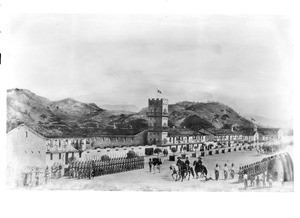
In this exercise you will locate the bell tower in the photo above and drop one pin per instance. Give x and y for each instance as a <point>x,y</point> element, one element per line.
<point>158,113</point>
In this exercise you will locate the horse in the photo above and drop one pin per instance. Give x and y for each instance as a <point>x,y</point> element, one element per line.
<point>200,168</point>
<point>175,171</point>
<point>181,171</point>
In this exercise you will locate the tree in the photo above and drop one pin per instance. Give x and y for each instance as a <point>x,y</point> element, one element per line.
<point>105,158</point>
<point>174,150</point>
<point>165,141</point>
<point>157,151</point>
<point>43,116</point>
<point>131,154</point>
<point>210,146</point>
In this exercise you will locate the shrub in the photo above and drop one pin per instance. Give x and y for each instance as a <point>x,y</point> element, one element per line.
<point>174,150</point>
<point>131,154</point>
<point>105,158</point>
<point>71,159</point>
<point>157,151</point>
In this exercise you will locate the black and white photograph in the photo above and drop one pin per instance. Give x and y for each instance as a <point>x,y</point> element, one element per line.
<point>150,103</point>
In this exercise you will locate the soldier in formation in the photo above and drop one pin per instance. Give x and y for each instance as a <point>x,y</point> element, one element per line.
<point>256,170</point>
<point>91,168</point>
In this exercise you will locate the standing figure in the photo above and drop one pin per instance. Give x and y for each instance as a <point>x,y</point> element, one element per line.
<point>159,163</point>
<point>33,177</point>
<point>232,172</point>
<point>69,170</point>
<point>257,182</point>
<point>59,170</point>
<point>245,178</point>
<point>150,164</point>
<point>264,179</point>
<point>25,181</point>
<point>217,168</point>
<point>46,174</point>
<point>270,180</point>
<point>225,170</point>
<point>187,162</point>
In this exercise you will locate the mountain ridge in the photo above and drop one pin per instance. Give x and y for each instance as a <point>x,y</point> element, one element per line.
<point>70,116</point>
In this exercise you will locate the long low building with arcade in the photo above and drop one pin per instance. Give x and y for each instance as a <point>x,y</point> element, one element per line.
<point>32,146</point>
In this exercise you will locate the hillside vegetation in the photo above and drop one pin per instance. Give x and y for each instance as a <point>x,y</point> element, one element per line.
<point>68,116</point>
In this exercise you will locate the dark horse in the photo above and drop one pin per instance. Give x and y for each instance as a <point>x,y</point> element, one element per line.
<point>200,168</point>
<point>185,171</point>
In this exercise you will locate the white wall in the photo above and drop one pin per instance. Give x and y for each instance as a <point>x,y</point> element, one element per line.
<point>25,149</point>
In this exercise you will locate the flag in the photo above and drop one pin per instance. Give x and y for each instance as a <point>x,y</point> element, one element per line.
<point>159,91</point>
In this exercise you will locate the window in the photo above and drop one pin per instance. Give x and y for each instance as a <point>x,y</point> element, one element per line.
<point>26,134</point>
<point>51,156</point>
<point>79,154</point>
<point>59,156</point>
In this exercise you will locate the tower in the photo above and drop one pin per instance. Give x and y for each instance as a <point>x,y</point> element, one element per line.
<point>158,113</point>
<point>255,128</point>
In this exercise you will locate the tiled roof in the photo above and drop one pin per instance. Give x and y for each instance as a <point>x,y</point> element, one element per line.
<point>56,131</point>
<point>268,131</point>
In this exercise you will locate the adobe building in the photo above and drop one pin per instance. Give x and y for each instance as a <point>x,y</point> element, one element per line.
<point>34,146</point>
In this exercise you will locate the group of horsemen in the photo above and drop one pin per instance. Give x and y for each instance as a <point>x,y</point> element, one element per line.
<point>91,168</point>
<point>182,169</point>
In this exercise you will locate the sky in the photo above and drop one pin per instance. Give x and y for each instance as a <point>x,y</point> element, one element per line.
<point>243,61</point>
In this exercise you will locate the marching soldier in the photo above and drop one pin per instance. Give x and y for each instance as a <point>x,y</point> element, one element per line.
<point>89,170</point>
<point>78,170</point>
<point>46,174</point>
<point>119,165</point>
<point>104,167</point>
<point>114,165</point>
<point>69,170</point>
<point>110,166</point>
<point>75,170</point>
<point>86,169</point>
<point>123,164</point>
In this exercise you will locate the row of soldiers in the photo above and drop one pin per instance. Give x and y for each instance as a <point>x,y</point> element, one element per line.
<point>56,171</point>
<point>98,167</point>
<point>255,169</point>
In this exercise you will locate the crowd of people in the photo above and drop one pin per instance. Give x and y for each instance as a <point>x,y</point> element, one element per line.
<point>91,168</point>
<point>256,174</point>
<point>31,178</point>
<point>56,171</point>
<point>34,176</point>
<point>228,172</point>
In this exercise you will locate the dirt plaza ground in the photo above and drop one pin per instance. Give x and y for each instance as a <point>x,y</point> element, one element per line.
<point>143,180</point>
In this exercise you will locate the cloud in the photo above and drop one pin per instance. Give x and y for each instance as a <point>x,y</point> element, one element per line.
<point>114,59</point>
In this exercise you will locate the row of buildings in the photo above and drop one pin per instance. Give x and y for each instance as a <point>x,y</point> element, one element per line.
<point>29,145</point>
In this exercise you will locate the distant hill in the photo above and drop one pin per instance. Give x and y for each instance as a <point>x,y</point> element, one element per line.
<point>125,108</point>
<point>211,114</point>
<point>68,116</point>
<point>267,122</point>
